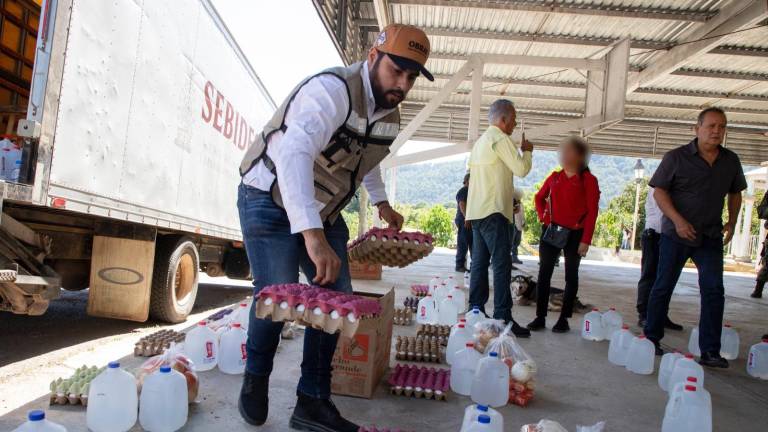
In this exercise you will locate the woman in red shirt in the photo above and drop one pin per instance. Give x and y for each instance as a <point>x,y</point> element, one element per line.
<point>569,198</point>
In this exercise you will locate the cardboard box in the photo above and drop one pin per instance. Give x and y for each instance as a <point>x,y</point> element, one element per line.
<point>364,271</point>
<point>360,362</point>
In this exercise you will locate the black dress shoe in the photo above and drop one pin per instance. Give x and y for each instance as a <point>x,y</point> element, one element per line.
<point>657,350</point>
<point>713,360</point>
<point>757,294</point>
<point>516,261</point>
<point>461,269</point>
<point>669,324</point>
<point>513,267</point>
<point>254,401</point>
<point>561,326</point>
<point>537,324</point>
<point>519,331</point>
<point>641,322</point>
<point>319,415</point>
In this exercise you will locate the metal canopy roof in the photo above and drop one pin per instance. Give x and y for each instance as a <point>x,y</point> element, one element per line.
<point>681,61</point>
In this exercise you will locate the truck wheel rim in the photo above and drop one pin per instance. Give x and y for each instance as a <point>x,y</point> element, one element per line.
<point>185,279</point>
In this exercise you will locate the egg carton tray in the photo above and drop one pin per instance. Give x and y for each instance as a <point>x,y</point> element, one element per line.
<point>411,303</point>
<point>403,317</point>
<point>419,290</point>
<point>418,348</point>
<point>420,382</point>
<point>441,331</point>
<point>389,247</point>
<point>319,308</point>
<point>155,343</point>
<point>73,390</point>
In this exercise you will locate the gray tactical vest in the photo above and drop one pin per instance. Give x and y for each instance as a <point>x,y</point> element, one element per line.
<point>352,152</point>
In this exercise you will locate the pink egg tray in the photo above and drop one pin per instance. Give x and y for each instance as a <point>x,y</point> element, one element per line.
<point>419,290</point>
<point>390,247</point>
<point>429,383</point>
<point>320,308</point>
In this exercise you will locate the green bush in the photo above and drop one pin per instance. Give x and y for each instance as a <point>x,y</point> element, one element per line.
<point>438,222</point>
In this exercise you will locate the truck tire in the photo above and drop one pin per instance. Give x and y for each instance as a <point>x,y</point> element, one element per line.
<point>174,279</point>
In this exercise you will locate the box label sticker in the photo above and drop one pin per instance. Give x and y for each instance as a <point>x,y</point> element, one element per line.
<point>356,349</point>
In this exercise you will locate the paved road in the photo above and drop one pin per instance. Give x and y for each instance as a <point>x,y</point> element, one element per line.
<point>36,350</point>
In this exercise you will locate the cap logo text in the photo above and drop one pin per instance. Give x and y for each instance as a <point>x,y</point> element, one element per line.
<point>419,47</point>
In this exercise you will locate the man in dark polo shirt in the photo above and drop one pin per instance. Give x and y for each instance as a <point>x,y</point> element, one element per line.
<point>463,229</point>
<point>691,185</point>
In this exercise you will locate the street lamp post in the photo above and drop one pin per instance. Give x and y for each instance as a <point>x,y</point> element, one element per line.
<point>639,174</point>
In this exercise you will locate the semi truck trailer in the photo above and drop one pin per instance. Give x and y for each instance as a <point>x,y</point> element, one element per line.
<point>127,120</point>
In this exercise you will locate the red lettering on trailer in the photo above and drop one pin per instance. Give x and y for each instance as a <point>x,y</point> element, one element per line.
<point>225,118</point>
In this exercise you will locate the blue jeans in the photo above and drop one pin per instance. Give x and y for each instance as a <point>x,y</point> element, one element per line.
<point>463,243</point>
<point>275,256</point>
<point>708,258</point>
<point>516,237</point>
<point>491,245</point>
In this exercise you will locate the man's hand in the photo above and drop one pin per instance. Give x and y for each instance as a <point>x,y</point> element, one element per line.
<point>468,224</point>
<point>728,230</point>
<point>583,249</point>
<point>685,230</point>
<point>390,216</point>
<point>326,262</point>
<point>526,145</point>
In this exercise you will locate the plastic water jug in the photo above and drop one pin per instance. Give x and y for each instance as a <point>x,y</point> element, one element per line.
<point>434,283</point>
<point>491,383</point>
<point>757,361</point>
<point>112,400</point>
<point>466,280</point>
<point>463,369</point>
<point>441,292</point>
<point>242,315</point>
<point>592,327</point>
<point>447,314</point>
<point>473,317</point>
<point>163,403</point>
<point>455,327</point>
<point>640,358</point>
<point>450,283</point>
<point>612,321</point>
<point>684,368</point>
<point>666,367</point>
<point>729,343</point>
<point>457,341</point>
<point>619,346</point>
<point>232,352</point>
<point>483,424</point>
<point>680,387</point>
<point>693,342</point>
<point>36,422</point>
<point>202,347</point>
<point>472,412</point>
<point>688,412</point>
<point>426,312</point>
<point>459,299</point>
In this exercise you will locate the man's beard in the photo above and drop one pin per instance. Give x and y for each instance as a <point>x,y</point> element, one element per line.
<point>379,94</point>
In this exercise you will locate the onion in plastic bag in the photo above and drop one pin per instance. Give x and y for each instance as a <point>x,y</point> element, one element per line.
<point>176,359</point>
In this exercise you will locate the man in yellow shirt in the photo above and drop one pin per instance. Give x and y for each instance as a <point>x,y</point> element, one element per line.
<point>494,160</point>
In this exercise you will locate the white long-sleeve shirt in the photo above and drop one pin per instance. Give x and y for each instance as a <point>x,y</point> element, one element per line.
<point>318,109</point>
<point>652,213</point>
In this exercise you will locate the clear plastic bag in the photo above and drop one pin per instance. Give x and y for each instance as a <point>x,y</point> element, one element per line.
<point>597,427</point>
<point>174,357</point>
<point>522,368</point>
<point>485,331</point>
<point>544,426</point>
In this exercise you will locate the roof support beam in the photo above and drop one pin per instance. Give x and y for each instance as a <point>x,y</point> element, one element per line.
<point>573,8</point>
<point>381,7</point>
<point>475,101</point>
<point>721,74</point>
<point>736,15</point>
<point>585,41</point>
<point>542,61</point>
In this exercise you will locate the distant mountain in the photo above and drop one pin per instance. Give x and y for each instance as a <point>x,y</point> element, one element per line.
<point>437,183</point>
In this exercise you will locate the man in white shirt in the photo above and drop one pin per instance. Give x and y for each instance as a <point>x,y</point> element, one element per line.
<point>327,138</point>
<point>649,243</point>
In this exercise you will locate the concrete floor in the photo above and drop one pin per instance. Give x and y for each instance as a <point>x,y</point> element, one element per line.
<point>576,383</point>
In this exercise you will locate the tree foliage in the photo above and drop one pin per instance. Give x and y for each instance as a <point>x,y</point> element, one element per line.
<point>438,222</point>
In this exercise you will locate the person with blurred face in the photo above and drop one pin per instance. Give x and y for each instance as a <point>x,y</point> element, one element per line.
<point>494,160</point>
<point>321,144</point>
<point>690,186</point>
<point>567,201</point>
